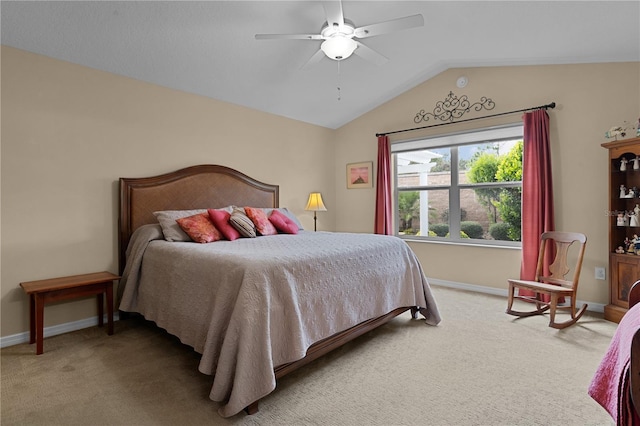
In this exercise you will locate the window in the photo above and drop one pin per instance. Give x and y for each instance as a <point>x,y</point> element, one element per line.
<point>463,187</point>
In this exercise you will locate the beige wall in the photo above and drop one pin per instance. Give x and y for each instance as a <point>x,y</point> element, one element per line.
<point>69,133</point>
<point>590,99</point>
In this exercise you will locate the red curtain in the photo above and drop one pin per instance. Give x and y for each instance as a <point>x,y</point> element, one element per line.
<point>383,223</point>
<point>537,192</point>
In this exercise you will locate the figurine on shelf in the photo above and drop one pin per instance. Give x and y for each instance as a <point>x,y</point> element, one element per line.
<point>623,191</point>
<point>632,193</point>
<point>621,219</point>
<point>623,164</point>
<point>636,163</point>
<point>614,132</point>
<point>638,129</point>
<point>620,250</point>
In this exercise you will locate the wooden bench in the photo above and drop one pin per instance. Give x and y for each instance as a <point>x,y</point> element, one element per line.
<point>72,287</point>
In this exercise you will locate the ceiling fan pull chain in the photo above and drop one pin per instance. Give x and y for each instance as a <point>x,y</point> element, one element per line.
<point>338,80</point>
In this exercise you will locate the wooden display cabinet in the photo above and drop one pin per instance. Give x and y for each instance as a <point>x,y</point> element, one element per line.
<point>624,267</point>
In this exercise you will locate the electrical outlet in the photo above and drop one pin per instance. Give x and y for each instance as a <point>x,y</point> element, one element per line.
<point>600,273</point>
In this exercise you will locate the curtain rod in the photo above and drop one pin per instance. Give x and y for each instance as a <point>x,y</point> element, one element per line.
<point>551,105</point>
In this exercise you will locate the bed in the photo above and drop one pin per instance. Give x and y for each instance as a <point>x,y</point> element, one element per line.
<point>616,383</point>
<point>258,308</point>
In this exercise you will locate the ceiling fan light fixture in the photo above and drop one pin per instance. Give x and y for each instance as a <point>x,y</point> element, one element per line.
<point>338,47</point>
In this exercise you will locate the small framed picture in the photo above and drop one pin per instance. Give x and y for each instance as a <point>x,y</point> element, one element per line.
<point>360,175</point>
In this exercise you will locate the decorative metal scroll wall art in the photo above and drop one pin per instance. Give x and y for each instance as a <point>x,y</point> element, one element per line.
<point>453,107</point>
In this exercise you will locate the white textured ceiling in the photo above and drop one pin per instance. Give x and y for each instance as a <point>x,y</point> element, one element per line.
<point>208,47</point>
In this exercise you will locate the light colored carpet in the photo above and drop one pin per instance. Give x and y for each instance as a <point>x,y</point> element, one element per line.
<point>480,366</point>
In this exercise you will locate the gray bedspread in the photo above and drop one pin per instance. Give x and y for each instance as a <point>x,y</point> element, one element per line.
<point>252,304</point>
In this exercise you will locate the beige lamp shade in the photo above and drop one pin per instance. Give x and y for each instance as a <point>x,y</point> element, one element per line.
<point>315,203</point>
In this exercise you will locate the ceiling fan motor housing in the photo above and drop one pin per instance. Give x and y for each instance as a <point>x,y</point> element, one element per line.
<point>339,43</point>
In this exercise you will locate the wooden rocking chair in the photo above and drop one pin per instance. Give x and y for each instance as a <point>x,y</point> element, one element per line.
<point>555,285</point>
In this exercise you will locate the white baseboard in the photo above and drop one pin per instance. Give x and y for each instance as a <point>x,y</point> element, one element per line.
<point>592,306</point>
<point>54,330</point>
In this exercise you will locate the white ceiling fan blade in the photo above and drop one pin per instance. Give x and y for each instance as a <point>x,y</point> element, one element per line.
<point>369,54</point>
<point>289,36</point>
<point>333,11</point>
<point>317,57</point>
<point>389,26</point>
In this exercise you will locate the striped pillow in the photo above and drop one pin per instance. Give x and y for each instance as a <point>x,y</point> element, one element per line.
<point>241,222</point>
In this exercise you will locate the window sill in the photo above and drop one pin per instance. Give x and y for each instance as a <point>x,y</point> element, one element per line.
<point>461,243</point>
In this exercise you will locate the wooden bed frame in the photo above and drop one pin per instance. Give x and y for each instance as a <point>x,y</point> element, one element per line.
<point>214,186</point>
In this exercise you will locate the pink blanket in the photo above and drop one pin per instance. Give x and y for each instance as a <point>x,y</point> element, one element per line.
<point>610,384</point>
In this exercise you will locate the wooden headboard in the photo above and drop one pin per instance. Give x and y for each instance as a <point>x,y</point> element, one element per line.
<point>197,187</point>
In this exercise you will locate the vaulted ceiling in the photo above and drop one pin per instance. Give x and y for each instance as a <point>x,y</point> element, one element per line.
<point>208,47</point>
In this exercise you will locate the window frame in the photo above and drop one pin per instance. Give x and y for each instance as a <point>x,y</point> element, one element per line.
<point>508,132</point>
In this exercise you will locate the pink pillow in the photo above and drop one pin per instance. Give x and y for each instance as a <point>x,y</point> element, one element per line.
<point>261,221</point>
<point>199,228</point>
<point>282,223</point>
<point>220,219</point>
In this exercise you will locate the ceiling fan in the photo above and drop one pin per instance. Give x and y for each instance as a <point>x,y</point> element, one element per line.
<point>340,34</point>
